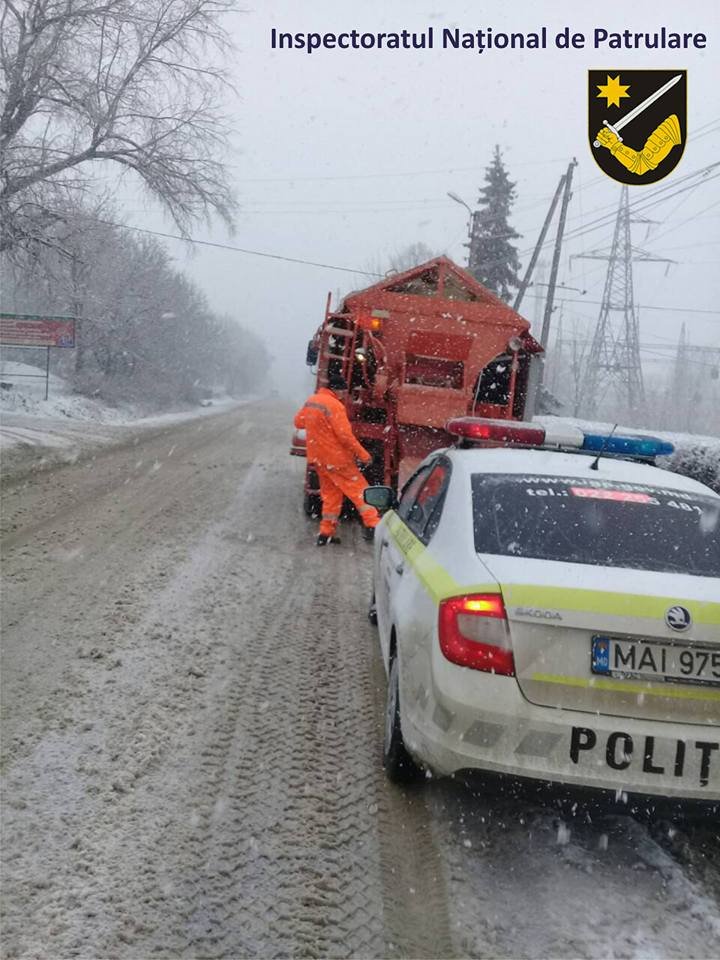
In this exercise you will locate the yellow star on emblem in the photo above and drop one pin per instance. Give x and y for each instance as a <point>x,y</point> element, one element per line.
<point>613,90</point>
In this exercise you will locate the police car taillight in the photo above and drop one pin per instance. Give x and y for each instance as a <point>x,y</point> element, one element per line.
<point>473,632</point>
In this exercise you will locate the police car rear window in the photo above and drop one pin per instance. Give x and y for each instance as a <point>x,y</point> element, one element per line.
<point>598,522</point>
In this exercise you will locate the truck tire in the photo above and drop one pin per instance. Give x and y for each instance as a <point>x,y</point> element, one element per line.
<point>312,502</point>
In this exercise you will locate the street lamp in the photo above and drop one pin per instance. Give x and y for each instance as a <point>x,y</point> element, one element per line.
<point>457,199</point>
<point>471,219</point>
<point>471,215</point>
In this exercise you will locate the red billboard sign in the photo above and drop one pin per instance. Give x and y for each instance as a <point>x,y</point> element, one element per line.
<point>18,330</point>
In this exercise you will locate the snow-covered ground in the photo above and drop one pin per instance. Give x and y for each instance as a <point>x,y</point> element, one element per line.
<point>25,396</point>
<point>193,706</point>
<point>65,425</point>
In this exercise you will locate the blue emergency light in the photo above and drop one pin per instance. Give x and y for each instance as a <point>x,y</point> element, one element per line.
<point>627,446</point>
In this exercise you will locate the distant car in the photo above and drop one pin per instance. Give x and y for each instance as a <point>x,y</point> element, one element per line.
<point>550,615</point>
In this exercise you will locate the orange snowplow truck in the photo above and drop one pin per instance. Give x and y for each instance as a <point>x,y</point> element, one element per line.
<point>417,349</point>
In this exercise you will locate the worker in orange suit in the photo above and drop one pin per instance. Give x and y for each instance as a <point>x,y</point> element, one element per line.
<point>332,451</point>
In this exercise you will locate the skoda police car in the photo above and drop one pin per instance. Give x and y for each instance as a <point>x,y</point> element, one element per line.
<point>549,608</point>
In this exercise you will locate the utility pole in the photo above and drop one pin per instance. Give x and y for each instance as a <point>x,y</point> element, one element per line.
<point>614,359</point>
<point>539,245</point>
<point>538,367</point>
<point>549,303</point>
<point>541,284</point>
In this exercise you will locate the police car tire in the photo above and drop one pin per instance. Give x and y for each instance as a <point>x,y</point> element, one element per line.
<point>399,765</point>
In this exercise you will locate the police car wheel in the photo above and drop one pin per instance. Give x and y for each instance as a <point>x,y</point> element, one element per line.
<point>399,765</point>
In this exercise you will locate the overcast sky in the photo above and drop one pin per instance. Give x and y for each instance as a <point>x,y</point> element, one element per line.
<point>345,157</point>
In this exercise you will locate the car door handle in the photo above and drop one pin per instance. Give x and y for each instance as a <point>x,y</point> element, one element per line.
<point>400,568</point>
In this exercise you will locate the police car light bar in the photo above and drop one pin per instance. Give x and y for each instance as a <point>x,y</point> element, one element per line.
<point>522,433</point>
<point>496,431</point>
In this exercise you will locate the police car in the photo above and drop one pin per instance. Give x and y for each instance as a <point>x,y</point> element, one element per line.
<point>549,608</point>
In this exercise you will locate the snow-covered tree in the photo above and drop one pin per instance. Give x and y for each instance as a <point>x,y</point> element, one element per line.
<point>492,258</point>
<point>145,332</point>
<point>100,84</point>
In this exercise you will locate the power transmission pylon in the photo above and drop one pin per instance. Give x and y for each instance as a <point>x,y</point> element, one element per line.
<point>679,387</point>
<point>614,359</point>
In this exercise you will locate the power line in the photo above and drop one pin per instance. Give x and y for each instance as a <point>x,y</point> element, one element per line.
<point>342,269</point>
<point>702,131</point>
<point>331,266</point>
<point>714,313</point>
<point>378,176</point>
<point>682,223</point>
<point>649,200</point>
<point>229,246</point>
<point>649,345</point>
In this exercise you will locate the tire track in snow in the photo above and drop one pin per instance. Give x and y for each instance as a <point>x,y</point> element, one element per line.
<point>295,823</point>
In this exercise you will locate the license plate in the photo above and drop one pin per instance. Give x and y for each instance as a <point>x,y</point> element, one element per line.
<point>671,662</point>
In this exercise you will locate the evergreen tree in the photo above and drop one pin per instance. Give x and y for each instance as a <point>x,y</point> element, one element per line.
<point>493,259</point>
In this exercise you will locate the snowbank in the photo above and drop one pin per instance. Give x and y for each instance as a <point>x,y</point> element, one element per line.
<point>695,456</point>
<point>67,424</point>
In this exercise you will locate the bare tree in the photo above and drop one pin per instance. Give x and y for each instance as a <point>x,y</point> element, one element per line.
<point>124,82</point>
<point>410,256</point>
<point>404,258</point>
<point>567,363</point>
<point>146,333</point>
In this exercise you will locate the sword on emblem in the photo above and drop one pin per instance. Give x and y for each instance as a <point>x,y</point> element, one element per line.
<point>636,111</point>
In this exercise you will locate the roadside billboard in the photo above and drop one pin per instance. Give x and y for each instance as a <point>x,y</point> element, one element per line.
<point>25,330</point>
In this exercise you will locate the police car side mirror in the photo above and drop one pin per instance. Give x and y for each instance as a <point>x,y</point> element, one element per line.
<point>382,498</point>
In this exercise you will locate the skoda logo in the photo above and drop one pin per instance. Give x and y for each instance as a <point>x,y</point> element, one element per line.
<point>678,618</point>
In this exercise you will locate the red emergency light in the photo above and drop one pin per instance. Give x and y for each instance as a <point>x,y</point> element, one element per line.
<point>496,431</point>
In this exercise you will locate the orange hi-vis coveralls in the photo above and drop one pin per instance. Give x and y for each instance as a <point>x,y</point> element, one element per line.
<point>331,450</point>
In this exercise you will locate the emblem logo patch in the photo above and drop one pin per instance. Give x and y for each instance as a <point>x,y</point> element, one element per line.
<point>678,618</point>
<point>637,122</point>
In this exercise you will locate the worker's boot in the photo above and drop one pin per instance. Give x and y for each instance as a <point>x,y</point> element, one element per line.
<point>368,534</point>
<point>323,540</point>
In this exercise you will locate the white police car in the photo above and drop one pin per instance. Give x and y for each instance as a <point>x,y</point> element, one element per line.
<point>551,614</point>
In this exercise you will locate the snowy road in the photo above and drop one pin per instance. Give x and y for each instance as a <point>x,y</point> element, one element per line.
<point>192,709</point>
